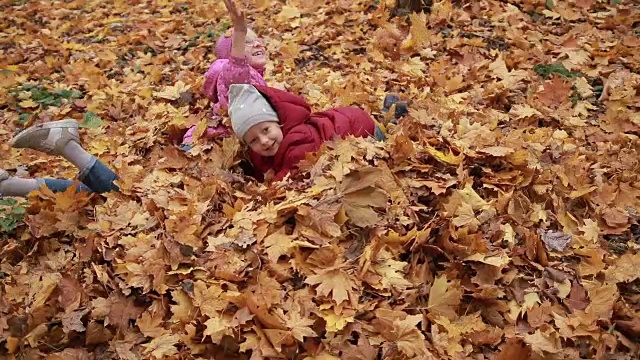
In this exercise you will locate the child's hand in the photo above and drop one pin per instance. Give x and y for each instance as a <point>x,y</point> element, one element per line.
<point>237,17</point>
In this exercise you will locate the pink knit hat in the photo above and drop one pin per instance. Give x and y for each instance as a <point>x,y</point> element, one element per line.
<point>223,47</point>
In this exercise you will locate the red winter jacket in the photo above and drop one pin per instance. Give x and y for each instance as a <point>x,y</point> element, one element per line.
<point>304,131</point>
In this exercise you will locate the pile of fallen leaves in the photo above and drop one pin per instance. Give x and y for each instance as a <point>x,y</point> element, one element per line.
<point>499,220</point>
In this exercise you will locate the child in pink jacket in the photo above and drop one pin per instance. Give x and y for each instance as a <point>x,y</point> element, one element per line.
<point>241,59</point>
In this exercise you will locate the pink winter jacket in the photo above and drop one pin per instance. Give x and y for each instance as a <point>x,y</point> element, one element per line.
<point>221,74</point>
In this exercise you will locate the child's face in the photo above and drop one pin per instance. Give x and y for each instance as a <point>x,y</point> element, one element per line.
<point>254,50</point>
<point>264,138</point>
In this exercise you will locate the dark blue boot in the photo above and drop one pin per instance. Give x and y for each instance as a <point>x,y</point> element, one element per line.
<point>401,106</point>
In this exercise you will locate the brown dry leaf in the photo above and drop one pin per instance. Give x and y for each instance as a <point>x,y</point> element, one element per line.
<point>554,240</point>
<point>362,351</point>
<point>73,321</point>
<point>513,349</point>
<point>359,206</point>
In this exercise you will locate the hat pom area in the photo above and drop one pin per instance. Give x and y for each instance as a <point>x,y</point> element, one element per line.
<point>247,107</point>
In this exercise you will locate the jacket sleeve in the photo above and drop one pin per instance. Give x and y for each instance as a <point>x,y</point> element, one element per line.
<point>350,121</point>
<point>236,71</point>
<point>299,144</point>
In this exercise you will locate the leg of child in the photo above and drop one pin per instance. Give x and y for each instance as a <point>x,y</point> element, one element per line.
<point>379,134</point>
<point>15,186</point>
<point>401,106</point>
<point>61,138</point>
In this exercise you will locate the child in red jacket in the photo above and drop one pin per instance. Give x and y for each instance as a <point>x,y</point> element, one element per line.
<point>280,128</point>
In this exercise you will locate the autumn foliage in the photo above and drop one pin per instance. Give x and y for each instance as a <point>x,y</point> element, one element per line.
<point>499,220</point>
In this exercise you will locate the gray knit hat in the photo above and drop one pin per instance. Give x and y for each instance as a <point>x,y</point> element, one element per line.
<point>248,107</point>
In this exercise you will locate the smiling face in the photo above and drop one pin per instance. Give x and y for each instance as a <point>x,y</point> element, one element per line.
<point>254,50</point>
<point>264,138</point>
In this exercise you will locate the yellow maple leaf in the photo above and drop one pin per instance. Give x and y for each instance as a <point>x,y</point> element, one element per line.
<point>464,216</point>
<point>172,92</point>
<point>576,58</point>
<point>151,324</point>
<point>582,86</point>
<point>414,67</point>
<point>162,346</point>
<point>602,298</point>
<point>279,338</point>
<point>262,4</point>
<point>210,297</point>
<point>336,282</point>
<point>450,340</point>
<point>289,15</point>
<point>299,325</point>
<point>530,299</point>
<point>493,260</point>
<point>358,206</point>
<point>73,46</point>
<point>335,322</point>
<point>409,338</point>
<point>543,343</point>
<point>217,327</point>
<point>392,273</point>
<point>470,196</point>
<point>42,289</point>
<point>441,12</point>
<point>497,151</point>
<point>278,244</point>
<point>28,104</point>
<point>419,32</point>
<point>444,297</point>
<point>183,310</point>
<point>499,68</point>
<point>626,268</point>
<point>446,158</point>
<point>290,50</point>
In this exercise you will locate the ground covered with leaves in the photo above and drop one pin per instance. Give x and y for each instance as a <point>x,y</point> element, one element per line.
<point>499,220</point>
